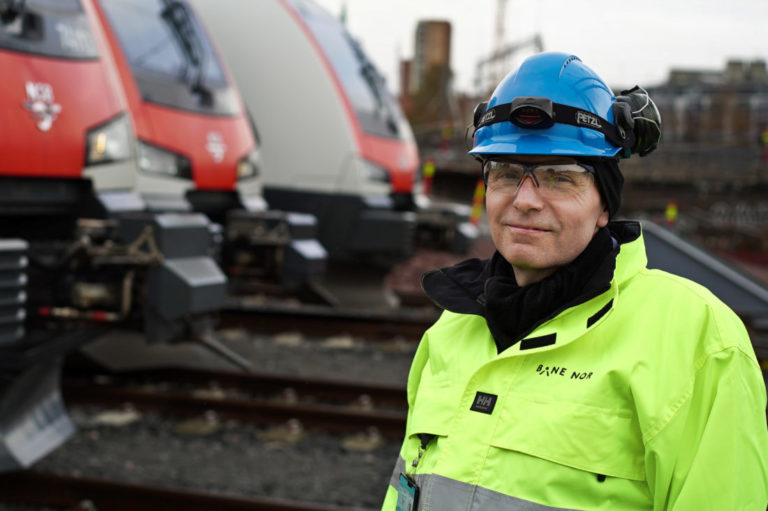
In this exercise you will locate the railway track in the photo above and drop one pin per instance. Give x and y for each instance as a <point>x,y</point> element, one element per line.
<point>82,493</point>
<point>264,384</point>
<point>330,405</point>
<point>318,320</point>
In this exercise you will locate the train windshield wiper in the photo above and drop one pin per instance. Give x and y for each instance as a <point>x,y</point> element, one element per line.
<point>10,10</point>
<point>179,19</point>
<point>376,83</point>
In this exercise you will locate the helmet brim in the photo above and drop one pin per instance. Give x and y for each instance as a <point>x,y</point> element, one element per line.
<point>589,145</point>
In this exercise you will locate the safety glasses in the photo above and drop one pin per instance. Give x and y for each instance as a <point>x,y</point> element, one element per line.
<point>555,179</point>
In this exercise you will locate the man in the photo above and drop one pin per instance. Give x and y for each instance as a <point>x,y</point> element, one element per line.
<point>564,374</point>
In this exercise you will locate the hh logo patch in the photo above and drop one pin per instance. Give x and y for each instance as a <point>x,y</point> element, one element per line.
<point>484,403</point>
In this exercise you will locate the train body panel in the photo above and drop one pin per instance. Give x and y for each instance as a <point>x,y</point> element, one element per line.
<point>181,101</point>
<point>383,135</point>
<point>400,159</point>
<point>288,90</point>
<point>333,141</point>
<point>58,88</point>
<point>197,150</point>
<point>214,146</point>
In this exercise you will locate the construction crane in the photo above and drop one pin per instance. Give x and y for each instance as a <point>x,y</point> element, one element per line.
<point>499,40</point>
<point>490,70</point>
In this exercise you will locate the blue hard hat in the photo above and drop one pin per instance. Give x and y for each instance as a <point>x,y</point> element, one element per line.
<point>556,104</point>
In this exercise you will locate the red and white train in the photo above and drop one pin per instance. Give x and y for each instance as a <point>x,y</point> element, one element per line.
<point>81,257</point>
<point>196,145</point>
<point>334,141</point>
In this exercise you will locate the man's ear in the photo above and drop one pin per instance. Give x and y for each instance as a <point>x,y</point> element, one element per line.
<point>604,218</point>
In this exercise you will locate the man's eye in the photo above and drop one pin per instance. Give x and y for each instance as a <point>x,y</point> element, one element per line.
<point>510,176</point>
<point>505,175</point>
<point>560,177</point>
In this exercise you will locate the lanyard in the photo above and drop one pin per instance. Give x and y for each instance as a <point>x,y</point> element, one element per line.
<point>408,490</point>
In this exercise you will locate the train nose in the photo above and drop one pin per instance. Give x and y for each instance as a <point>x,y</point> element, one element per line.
<point>403,180</point>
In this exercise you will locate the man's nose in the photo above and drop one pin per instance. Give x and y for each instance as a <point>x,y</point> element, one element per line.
<point>528,195</point>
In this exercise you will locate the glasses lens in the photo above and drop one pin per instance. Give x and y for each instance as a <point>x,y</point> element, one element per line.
<point>556,178</point>
<point>562,177</point>
<point>501,175</point>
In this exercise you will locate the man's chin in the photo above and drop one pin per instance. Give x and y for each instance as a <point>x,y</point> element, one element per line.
<point>524,259</point>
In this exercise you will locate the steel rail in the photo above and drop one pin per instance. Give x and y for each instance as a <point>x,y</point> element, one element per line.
<point>259,384</point>
<point>337,419</point>
<point>63,491</point>
<point>319,320</point>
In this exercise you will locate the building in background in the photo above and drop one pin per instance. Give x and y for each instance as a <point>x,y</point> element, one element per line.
<point>712,160</point>
<point>431,51</point>
<point>713,123</point>
<point>425,80</point>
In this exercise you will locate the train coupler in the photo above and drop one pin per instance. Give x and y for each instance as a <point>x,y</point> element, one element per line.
<point>274,245</point>
<point>446,227</point>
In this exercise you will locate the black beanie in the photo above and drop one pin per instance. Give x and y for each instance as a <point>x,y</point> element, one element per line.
<point>609,183</point>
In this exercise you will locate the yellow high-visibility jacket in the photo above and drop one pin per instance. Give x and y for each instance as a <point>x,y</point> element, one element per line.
<point>648,396</point>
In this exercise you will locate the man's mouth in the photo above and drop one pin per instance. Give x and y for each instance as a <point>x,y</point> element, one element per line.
<point>527,228</point>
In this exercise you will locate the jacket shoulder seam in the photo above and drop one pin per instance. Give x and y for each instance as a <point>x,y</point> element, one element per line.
<point>655,430</point>
<point>700,291</point>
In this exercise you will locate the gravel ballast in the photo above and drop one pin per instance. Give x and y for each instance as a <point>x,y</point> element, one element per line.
<point>284,462</point>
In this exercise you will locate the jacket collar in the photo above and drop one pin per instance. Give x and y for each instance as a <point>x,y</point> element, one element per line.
<point>632,258</point>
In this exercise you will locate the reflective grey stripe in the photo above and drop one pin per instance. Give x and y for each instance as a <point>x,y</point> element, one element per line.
<point>488,500</point>
<point>440,493</point>
<point>394,480</point>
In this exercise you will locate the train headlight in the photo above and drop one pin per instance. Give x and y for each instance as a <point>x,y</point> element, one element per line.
<point>111,141</point>
<point>248,166</point>
<point>155,160</point>
<point>374,172</point>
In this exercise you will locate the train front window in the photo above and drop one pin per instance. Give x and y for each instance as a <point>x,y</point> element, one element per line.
<point>50,28</point>
<point>170,55</point>
<point>376,108</point>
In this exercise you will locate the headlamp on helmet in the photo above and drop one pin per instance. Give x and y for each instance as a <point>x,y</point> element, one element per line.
<point>532,113</point>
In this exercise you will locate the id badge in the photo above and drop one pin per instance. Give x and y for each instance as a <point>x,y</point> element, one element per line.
<point>407,494</point>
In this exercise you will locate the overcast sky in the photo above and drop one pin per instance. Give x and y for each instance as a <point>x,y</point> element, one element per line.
<point>624,42</point>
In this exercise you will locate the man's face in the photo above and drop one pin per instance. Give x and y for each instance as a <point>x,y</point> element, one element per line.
<point>538,232</point>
